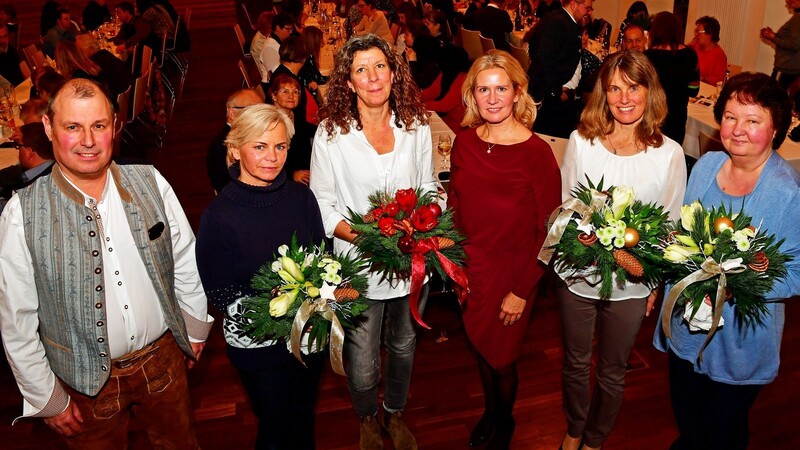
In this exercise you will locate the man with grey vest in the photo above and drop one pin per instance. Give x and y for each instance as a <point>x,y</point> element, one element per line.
<point>100,301</point>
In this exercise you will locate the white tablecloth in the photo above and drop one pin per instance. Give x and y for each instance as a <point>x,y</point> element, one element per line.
<point>701,119</point>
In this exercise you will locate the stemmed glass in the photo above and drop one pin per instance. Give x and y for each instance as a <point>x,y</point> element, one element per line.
<point>444,147</point>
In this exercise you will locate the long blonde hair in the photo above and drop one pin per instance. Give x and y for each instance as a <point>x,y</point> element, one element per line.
<point>524,109</point>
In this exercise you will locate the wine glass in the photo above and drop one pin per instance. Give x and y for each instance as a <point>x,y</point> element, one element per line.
<point>444,147</point>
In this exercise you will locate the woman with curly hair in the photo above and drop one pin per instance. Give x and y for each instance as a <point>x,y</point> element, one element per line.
<point>619,141</point>
<point>374,136</point>
<point>500,169</point>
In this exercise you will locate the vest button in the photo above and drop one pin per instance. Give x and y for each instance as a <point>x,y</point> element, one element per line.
<point>98,270</point>
<point>99,323</point>
<point>95,252</point>
<point>103,354</point>
<point>89,218</point>
<point>98,305</point>
<point>101,339</point>
<point>92,234</point>
<point>104,368</point>
<point>98,288</point>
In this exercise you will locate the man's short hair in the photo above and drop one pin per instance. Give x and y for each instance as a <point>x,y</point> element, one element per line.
<point>127,7</point>
<point>282,20</point>
<point>81,88</point>
<point>34,137</point>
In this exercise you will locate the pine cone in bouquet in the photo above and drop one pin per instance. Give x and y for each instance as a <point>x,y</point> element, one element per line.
<point>628,262</point>
<point>345,293</point>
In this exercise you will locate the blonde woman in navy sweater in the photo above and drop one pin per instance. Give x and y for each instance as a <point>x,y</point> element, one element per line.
<point>242,228</point>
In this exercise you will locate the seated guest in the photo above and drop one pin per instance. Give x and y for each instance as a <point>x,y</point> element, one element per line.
<point>134,29</point>
<point>637,14</point>
<point>284,93</point>
<point>310,75</point>
<point>49,16</point>
<point>373,21</point>
<point>33,110</point>
<point>73,63</point>
<point>216,158</point>
<point>407,13</point>
<point>436,21</point>
<point>422,52</point>
<point>710,57</point>
<point>259,43</point>
<point>590,64</point>
<point>293,55</point>
<point>61,31</point>
<point>493,22</point>
<point>449,104</point>
<point>9,59</point>
<point>282,28</point>
<point>633,38</point>
<point>45,81</point>
<point>35,159</point>
<point>159,18</point>
<point>113,70</point>
<point>95,14</point>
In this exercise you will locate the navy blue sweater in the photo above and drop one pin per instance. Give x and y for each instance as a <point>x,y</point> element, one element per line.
<point>241,231</point>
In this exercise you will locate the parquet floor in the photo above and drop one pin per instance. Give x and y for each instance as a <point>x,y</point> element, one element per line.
<point>445,399</point>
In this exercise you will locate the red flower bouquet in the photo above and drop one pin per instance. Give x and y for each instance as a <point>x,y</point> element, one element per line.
<point>404,235</point>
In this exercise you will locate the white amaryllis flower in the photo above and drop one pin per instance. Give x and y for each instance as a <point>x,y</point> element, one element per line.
<point>687,215</point>
<point>283,249</point>
<point>308,260</point>
<point>276,266</point>
<point>621,198</point>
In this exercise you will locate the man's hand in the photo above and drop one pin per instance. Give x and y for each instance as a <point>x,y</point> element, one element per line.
<point>197,348</point>
<point>302,176</point>
<point>68,422</point>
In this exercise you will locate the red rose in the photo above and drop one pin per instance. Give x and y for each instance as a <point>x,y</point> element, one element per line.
<point>406,244</point>
<point>407,200</point>
<point>377,212</point>
<point>392,209</point>
<point>424,218</point>
<point>386,225</point>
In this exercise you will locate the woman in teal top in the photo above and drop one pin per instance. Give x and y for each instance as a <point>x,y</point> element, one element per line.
<point>711,399</point>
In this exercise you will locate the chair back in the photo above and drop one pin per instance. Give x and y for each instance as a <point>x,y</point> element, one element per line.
<point>471,41</point>
<point>240,38</point>
<point>247,16</point>
<point>521,55</point>
<point>187,17</point>
<point>246,83</point>
<point>140,86</point>
<point>34,56</point>
<point>123,105</point>
<point>23,67</point>
<point>486,44</point>
<point>734,69</point>
<point>178,24</point>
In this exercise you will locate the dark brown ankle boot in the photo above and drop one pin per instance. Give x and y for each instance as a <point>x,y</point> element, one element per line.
<point>370,434</point>
<point>401,436</point>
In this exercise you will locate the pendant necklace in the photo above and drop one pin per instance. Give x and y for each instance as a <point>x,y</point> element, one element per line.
<point>491,145</point>
<point>613,148</point>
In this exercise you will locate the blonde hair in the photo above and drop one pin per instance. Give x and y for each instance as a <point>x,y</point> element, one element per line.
<point>252,123</point>
<point>524,109</point>
<point>635,68</point>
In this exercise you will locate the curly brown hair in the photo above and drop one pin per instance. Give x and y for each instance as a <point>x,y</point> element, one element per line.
<point>341,105</point>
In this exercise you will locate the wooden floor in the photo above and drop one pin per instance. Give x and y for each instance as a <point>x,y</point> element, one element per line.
<point>445,399</point>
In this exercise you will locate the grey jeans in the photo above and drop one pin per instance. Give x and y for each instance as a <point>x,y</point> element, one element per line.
<point>362,354</point>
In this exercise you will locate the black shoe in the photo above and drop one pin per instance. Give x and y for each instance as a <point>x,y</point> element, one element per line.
<point>501,440</point>
<point>482,431</point>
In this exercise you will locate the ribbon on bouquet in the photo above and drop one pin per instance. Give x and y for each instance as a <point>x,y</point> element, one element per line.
<point>708,269</point>
<point>418,271</point>
<point>308,309</point>
<point>561,217</point>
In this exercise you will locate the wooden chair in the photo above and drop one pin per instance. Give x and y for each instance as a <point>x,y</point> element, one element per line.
<point>247,82</point>
<point>734,69</point>
<point>123,104</point>
<point>240,38</point>
<point>486,44</point>
<point>710,143</point>
<point>521,55</point>
<point>249,19</point>
<point>471,41</point>
<point>23,67</point>
<point>34,56</point>
<point>187,17</point>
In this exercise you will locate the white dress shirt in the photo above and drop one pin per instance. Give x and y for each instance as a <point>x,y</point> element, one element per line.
<point>346,169</point>
<point>134,315</point>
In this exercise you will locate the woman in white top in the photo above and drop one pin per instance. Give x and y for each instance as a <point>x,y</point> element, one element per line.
<point>374,136</point>
<point>373,21</point>
<point>619,141</point>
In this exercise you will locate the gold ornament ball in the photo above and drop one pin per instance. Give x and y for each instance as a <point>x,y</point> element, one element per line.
<point>722,224</point>
<point>631,237</point>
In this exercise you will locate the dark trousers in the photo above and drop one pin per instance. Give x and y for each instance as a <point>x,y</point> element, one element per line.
<point>591,415</point>
<point>557,118</point>
<point>283,398</point>
<point>149,384</point>
<point>710,415</point>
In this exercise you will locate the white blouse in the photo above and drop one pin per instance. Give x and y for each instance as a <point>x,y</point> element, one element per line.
<point>657,175</point>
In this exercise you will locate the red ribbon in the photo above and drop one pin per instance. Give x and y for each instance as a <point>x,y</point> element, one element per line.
<point>418,271</point>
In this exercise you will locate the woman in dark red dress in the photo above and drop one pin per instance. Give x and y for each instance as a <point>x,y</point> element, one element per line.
<point>505,182</point>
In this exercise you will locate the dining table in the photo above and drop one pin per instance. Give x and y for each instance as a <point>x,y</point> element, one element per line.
<point>700,120</point>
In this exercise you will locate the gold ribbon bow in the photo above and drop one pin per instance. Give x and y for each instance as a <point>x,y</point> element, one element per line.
<point>709,269</point>
<point>307,309</point>
<point>559,219</point>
